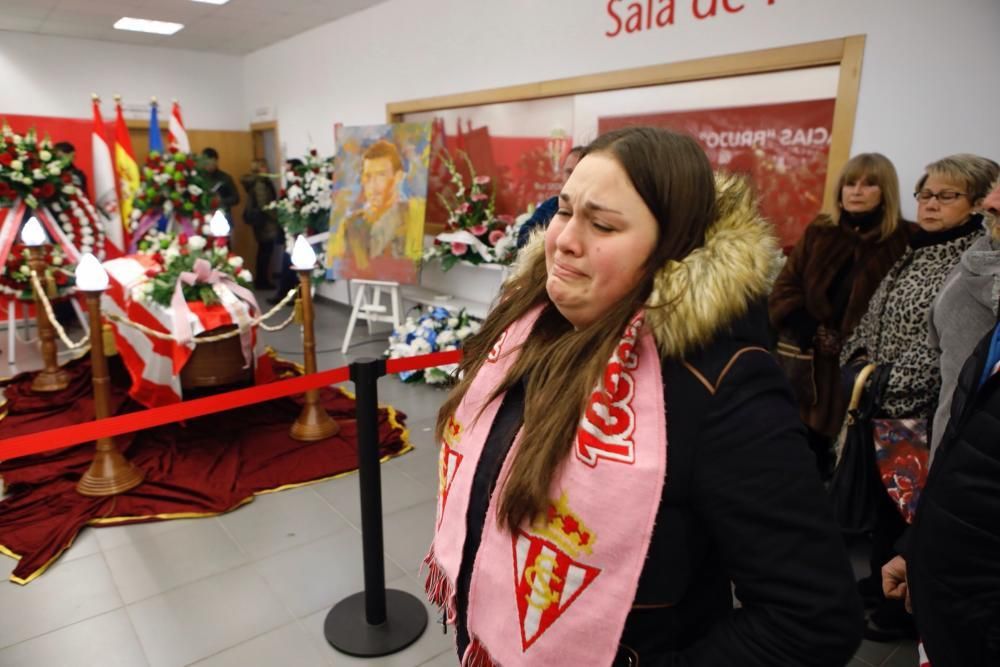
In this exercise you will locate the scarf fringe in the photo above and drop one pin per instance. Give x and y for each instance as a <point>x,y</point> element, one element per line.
<point>477,656</point>
<point>438,589</point>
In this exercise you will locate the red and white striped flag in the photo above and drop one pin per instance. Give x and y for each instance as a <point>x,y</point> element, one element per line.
<point>105,192</point>
<point>176,134</point>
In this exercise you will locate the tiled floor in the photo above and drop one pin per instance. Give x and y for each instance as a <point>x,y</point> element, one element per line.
<point>251,588</point>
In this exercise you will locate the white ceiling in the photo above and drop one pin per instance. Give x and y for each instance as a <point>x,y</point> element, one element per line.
<point>238,27</point>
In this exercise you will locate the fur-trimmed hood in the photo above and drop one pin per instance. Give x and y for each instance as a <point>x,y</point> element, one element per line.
<point>714,285</point>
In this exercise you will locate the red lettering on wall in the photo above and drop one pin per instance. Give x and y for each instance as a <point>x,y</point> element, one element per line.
<point>639,16</point>
<point>634,22</point>
<point>696,5</point>
<point>614,16</point>
<point>665,16</point>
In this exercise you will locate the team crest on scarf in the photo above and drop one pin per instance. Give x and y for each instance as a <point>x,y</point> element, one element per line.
<point>608,423</point>
<point>448,461</point>
<point>547,578</point>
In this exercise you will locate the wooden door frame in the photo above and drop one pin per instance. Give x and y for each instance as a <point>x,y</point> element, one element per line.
<point>846,52</point>
<point>263,126</point>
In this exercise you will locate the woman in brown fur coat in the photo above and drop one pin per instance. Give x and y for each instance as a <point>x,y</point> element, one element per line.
<point>830,276</point>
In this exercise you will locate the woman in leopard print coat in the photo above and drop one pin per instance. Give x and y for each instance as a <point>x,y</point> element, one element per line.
<point>894,332</point>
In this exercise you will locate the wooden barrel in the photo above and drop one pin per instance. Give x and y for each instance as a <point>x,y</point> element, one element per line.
<point>217,363</point>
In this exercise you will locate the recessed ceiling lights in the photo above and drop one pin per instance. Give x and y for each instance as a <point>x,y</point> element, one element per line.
<point>213,2</point>
<point>147,25</point>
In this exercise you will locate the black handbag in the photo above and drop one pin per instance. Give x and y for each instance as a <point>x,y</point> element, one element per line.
<point>856,484</point>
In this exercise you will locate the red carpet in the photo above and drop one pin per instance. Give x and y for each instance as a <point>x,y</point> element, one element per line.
<point>204,467</point>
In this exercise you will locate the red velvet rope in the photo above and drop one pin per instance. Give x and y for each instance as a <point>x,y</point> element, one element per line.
<point>64,436</point>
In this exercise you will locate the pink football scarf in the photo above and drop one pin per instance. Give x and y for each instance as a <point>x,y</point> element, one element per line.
<point>557,592</point>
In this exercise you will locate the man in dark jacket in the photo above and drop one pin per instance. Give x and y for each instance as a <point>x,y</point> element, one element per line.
<point>220,183</point>
<point>951,574</point>
<point>264,221</point>
<point>66,150</point>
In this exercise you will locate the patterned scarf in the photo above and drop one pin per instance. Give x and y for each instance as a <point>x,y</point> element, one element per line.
<point>559,590</point>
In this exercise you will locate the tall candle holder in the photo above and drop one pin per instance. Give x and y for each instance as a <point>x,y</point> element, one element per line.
<point>51,378</point>
<point>313,423</point>
<point>109,472</point>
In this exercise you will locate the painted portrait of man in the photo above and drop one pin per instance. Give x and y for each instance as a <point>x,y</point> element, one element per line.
<point>379,235</point>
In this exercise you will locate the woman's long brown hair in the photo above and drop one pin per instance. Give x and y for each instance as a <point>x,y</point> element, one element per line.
<point>559,365</point>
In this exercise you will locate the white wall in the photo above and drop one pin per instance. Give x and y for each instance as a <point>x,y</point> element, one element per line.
<point>924,91</point>
<point>55,76</point>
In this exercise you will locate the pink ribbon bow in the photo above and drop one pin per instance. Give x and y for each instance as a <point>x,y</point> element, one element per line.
<point>205,274</point>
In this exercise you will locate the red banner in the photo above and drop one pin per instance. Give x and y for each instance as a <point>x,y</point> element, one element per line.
<point>524,170</point>
<point>783,148</point>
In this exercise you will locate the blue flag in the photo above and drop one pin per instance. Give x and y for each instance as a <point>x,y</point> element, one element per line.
<point>155,140</point>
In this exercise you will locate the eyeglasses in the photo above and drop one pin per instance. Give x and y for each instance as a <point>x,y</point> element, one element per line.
<point>945,197</point>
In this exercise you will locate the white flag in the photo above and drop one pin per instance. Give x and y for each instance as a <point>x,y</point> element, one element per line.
<point>105,194</point>
<point>176,134</point>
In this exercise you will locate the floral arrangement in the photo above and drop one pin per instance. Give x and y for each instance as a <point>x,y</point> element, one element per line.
<point>473,232</point>
<point>15,280</point>
<point>171,185</point>
<point>30,171</point>
<point>303,205</point>
<point>79,220</point>
<point>435,330</point>
<point>176,254</point>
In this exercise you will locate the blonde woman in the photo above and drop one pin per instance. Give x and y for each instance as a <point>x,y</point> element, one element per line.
<point>824,288</point>
<point>622,445</point>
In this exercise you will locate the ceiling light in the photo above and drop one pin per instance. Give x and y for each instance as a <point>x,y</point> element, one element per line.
<point>146,25</point>
<point>213,2</point>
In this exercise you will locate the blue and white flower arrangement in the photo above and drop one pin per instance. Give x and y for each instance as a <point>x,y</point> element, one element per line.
<point>435,330</point>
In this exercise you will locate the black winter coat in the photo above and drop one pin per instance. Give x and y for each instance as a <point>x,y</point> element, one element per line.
<point>953,548</point>
<point>742,504</point>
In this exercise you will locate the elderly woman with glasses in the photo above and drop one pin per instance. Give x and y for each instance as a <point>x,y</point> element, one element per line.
<point>893,335</point>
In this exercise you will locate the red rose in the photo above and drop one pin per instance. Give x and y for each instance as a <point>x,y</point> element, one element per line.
<point>61,278</point>
<point>182,239</point>
<point>6,159</point>
<point>172,149</point>
<point>313,152</point>
<point>194,199</point>
<point>48,190</point>
<point>189,163</point>
<point>66,177</point>
<point>215,202</point>
<point>10,141</point>
<point>221,241</point>
<point>37,192</point>
<point>281,193</point>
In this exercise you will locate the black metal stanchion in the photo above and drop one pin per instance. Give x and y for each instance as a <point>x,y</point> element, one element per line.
<point>376,621</point>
